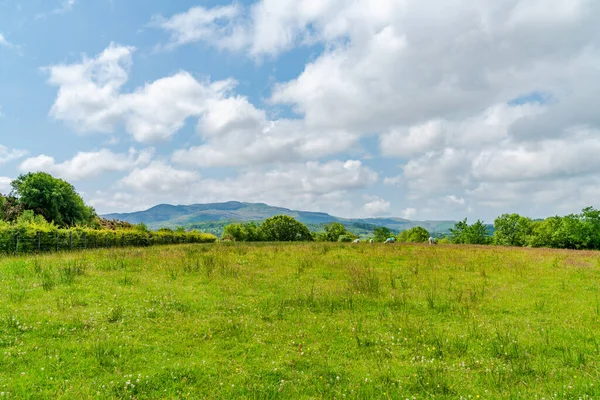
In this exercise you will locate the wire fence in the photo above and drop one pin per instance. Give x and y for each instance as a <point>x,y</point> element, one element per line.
<point>71,240</point>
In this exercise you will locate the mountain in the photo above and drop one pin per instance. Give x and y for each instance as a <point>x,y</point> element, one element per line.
<point>212,217</point>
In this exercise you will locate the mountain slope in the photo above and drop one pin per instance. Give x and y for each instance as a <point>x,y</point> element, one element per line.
<point>215,215</point>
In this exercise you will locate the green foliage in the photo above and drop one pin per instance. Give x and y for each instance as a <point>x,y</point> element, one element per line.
<point>381,233</point>
<point>345,239</point>
<point>463,233</point>
<point>413,235</point>
<point>53,198</point>
<point>32,233</point>
<point>512,230</point>
<point>283,228</point>
<point>574,231</point>
<point>244,232</point>
<point>334,231</point>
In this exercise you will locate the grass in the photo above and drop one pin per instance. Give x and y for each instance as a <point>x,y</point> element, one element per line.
<point>301,321</point>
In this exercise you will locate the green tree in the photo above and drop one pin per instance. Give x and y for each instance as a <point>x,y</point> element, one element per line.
<point>381,233</point>
<point>590,218</point>
<point>249,232</point>
<point>413,235</point>
<point>463,233</point>
<point>283,228</point>
<point>512,230</point>
<point>53,198</point>
<point>334,230</point>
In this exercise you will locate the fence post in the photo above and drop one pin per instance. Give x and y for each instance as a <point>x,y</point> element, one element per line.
<point>39,235</point>
<point>71,240</point>
<point>17,246</point>
<point>85,240</point>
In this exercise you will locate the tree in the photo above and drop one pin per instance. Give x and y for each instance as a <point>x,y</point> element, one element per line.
<point>591,226</point>
<point>10,209</point>
<point>381,233</point>
<point>283,228</point>
<point>463,233</point>
<point>512,230</point>
<point>53,198</point>
<point>249,232</point>
<point>334,230</point>
<point>414,235</point>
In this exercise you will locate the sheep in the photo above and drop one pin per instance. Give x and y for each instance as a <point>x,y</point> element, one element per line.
<point>390,240</point>
<point>432,241</point>
<point>371,241</point>
<point>356,241</point>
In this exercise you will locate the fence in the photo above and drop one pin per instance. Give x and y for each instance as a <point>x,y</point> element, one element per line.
<point>17,240</point>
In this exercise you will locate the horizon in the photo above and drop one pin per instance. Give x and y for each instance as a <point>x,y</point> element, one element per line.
<point>420,110</point>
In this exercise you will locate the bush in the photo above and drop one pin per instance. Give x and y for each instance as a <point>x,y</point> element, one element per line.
<point>345,239</point>
<point>413,235</point>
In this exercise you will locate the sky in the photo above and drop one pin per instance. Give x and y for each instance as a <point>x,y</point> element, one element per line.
<point>420,109</point>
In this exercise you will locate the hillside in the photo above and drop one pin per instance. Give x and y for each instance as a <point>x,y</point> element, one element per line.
<point>212,217</point>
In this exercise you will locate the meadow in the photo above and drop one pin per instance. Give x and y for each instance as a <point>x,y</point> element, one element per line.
<point>300,321</point>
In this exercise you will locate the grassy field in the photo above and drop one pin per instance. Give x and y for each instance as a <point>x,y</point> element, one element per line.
<point>301,321</point>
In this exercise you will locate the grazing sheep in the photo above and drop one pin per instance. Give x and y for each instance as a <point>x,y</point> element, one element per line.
<point>371,241</point>
<point>356,241</point>
<point>432,241</point>
<point>390,240</point>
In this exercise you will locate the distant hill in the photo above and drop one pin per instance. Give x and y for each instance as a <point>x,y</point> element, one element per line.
<point>212,217</point>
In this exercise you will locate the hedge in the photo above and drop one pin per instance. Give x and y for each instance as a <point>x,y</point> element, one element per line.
<point>27,239</point>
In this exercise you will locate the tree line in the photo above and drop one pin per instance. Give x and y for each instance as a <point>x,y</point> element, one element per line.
<point>574,231</point>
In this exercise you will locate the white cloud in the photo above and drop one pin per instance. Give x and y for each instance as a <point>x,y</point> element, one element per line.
<point>86,164</point>
<point>409,213</point>
<point>8,155</point>
<point>159,177</point>
<point>90,97</point>
<point>9,45</point>
<point>377,207</point>
<point>455,200</point>
<point>5,187</point>
<point>4,42</point>
<point>65,7</point>
<point>214,25</point>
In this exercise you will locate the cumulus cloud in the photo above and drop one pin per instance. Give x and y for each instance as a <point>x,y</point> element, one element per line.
<point>8,155</point>
<point>86,164</point>
<point>409,213</point>
<point>91,99</point>
<point>377,207</point>
<point>159,177</point>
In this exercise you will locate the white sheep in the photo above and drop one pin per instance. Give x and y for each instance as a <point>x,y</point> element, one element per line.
<point>356,241</point>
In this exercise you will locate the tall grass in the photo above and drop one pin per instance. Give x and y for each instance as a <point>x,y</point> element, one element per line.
<point>301,321</point>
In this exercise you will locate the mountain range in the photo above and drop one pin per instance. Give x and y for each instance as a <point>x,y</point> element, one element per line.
<point>214,216</point>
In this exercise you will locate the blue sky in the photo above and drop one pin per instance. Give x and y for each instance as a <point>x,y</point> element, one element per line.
<point>417,109</point>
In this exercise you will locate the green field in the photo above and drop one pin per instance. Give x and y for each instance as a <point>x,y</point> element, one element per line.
<point>295,321</point>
